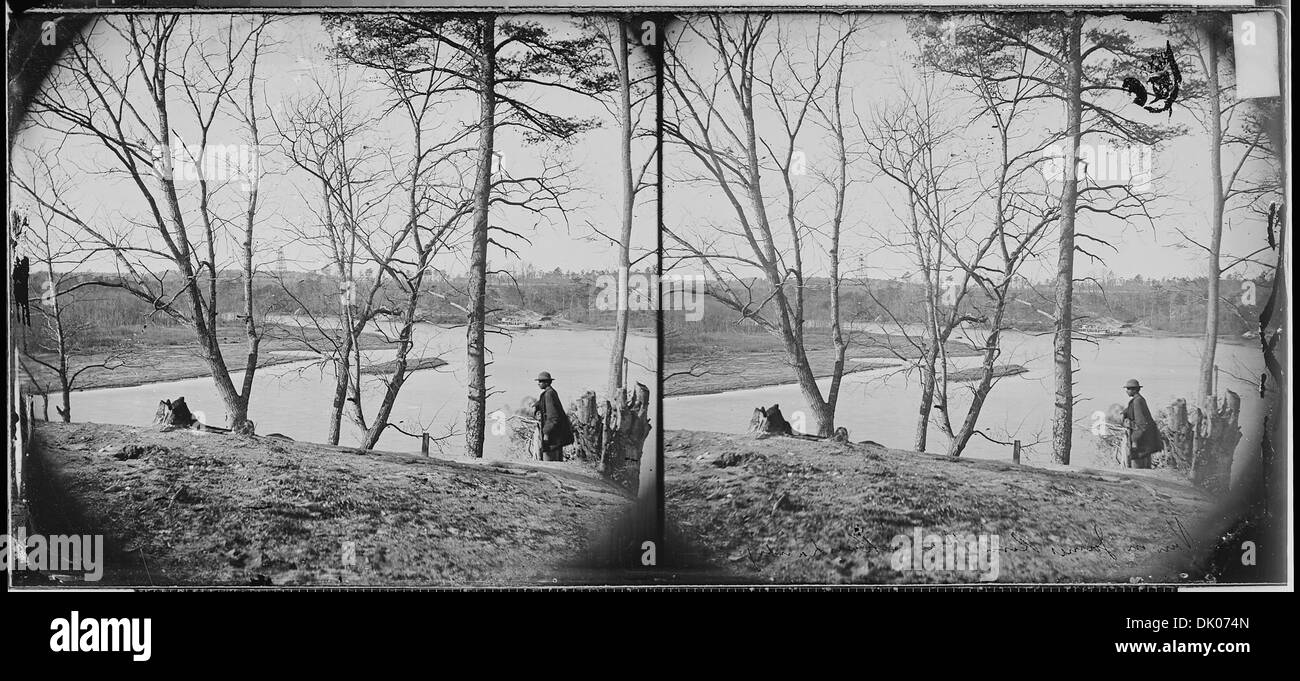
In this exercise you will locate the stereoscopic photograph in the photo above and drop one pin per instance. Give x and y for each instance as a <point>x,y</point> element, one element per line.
<point>347,298</point>
<point>330,299</point>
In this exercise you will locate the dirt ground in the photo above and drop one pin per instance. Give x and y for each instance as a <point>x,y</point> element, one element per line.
<point>794,511</point>
<point>187,508</point>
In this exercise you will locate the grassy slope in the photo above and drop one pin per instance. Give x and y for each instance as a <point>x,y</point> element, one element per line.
<point>212,509</point>
<point>844,503</point>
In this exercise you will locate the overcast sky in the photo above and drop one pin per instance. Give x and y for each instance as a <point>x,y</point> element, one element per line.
<point>286,73</point>
<point>873,82</point>
<point>883,67</point>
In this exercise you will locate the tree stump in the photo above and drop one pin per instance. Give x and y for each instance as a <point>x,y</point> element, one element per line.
<point>612,435</point>
<point>176,414</point>
<point>1179,433</point>
<point>769,421</point>
<point>1212,462</point>
<point>588,427</point>
<point>628,428</point>
<point>1202,441</point>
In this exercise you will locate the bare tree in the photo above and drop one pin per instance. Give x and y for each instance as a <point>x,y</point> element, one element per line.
<point>322,135</point>
<point>1084,59</point>
<point>1239,160</point>
<point>186,82</point>
<point>906,145</point>
<point>976,224</point>
<point>59,346</point>
<point>374,209</point>
<point>497,60</point>
<point>631,93</point>
<point>738,65</point>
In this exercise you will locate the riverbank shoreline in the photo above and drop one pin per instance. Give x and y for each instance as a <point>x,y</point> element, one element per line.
<point>164,360</point>
<point>412,365</point>
<point>717,363</point>
<point>754,377</point>
<point>720,363</point>
<point>972,374</point>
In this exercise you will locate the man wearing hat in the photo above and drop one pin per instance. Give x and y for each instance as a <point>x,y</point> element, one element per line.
<point>554,422</point>
<point>1144,436</point>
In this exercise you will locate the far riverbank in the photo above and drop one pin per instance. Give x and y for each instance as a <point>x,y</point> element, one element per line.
<point>162,354</point>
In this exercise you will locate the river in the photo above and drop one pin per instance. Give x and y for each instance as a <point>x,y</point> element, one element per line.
<point>294,398</point>
<point>881,404</point>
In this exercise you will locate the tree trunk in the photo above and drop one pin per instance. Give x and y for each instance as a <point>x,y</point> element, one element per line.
<point>1062,351</point>
<point>1210,57</point>
<point>927,402</point>
<point>619,349</point>
<point>205,329</point>
<point>65,413</point>
<point>476,410</point>
<point>399,374</point>
<point>841,190</point>
<point>61,341</point>
<point>236,404</point>
<point>204,312</point>
<point>991,350</point>
<point>254,339</point>
<point>822,412</point>
<point>929,355</point>
<point>342,378</point>
<point>791,315</point>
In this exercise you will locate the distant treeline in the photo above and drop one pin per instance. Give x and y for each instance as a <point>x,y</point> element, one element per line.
<point>567,296</point>
<point>1172,305</point>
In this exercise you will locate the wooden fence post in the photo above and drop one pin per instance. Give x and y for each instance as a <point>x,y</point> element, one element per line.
<point>1015,452</point>
<point>424,444</point>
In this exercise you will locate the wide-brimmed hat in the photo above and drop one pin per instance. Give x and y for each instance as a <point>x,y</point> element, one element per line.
<point>1132,383</point>
<point>544,376</point>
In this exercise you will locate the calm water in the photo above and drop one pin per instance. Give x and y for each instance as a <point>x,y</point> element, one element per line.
<point>294,399</point>
<point>881,405</point>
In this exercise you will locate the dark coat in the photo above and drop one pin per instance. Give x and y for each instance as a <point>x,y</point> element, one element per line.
<point>557,431</point>
<point>21,276</point>
<point>1143,432</point>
